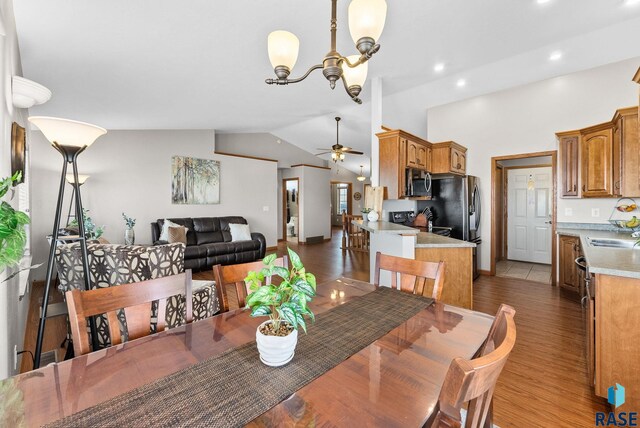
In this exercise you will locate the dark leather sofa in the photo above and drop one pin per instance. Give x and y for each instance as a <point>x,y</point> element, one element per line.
<point>209,242</point>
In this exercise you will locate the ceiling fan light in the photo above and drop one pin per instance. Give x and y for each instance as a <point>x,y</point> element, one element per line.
<point>283,48</point>
<point>367,18</point>
<point>355,76</point>
<point>342,156</point>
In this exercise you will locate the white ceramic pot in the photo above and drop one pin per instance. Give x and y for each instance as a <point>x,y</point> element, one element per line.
<point>276,351</point>
<point>373,216</point>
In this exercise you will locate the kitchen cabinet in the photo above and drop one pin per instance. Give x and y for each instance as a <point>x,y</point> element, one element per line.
<point>448,157</point>
<point>569,251</point>
<point>569,162</point>
<point>400,150</point>
<point>590,320</point>
<point>626,153</point>
<point>596,161</point>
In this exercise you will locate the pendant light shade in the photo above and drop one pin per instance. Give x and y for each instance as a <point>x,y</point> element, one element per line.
<point>361,177</point>
<point>67,133</point>
<point>355,76</point>
<point>283,49</point>
<point>81,179</point>
<point>367,18</point>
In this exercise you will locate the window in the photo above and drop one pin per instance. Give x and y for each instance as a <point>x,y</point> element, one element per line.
<point>342,202</point>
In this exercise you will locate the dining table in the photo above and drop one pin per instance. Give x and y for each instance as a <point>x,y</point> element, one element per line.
<point>394,381</point>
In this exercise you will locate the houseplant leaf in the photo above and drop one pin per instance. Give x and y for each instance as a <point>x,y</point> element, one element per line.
<point>295,259</point>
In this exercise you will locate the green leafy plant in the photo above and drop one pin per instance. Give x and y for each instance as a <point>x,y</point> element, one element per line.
<point>130,222</point>
<point>90,229</point>
<point>13,237</point>
<point>366,210</point>
<point>284,302</point>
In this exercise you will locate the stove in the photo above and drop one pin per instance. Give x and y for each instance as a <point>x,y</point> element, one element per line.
<point>407,218</point>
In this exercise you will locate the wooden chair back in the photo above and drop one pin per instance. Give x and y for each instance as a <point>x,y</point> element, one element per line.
<point>135,299</point>
<point>353,237</point>
<point>411,276</point>
<point>235,275</point>
<point>473,381</point>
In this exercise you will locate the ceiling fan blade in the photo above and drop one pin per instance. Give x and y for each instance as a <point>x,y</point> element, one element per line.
<point>344,149</point>
<point>323,148</point>
<point>353,152</point>
<point>322,153</point>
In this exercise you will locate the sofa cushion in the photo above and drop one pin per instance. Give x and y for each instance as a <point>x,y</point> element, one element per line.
<point>186,222</point>
<point>195,252</point>
<point>224,225</point>
<point>219,248</point>
<point>207,230</point>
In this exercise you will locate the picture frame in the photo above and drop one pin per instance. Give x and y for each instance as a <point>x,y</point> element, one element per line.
<point>18,150</point>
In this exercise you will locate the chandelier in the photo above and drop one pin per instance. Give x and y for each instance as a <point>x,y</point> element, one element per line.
<point>361,177</point>
<point>366,21</point>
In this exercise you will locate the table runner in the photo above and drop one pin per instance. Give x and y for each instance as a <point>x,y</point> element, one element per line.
<point>233,388</point>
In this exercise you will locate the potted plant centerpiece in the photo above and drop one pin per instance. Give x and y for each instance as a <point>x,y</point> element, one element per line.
<point>285,304</point>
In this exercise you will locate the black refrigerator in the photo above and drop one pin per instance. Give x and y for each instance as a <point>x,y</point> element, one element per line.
<point>455,203</point>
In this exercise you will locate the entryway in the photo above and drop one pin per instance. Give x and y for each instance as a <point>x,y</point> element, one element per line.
<point>523,216</point>
<point>340,201</point>
<point>290,206</point>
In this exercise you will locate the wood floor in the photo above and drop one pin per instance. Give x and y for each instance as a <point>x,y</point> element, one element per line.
<point>544,383</point>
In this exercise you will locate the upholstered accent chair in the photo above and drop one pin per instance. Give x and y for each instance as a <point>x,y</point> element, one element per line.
<point>112,265</point>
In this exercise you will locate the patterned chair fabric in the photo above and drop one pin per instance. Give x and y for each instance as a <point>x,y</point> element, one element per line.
<point>112,264</point>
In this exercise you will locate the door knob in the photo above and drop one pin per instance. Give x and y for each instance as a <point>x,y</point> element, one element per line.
<point>547,222</point>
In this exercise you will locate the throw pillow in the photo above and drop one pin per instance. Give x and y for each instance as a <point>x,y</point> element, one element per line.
<point>177,234</point>
<point>240,232</point>
<point>164,234</point>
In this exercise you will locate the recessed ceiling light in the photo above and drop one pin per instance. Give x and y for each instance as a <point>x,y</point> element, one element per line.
<point>460,83</point>
<point>438,67</point>
<point>542,1</point>
<point>631,2</point>
<point>555,56</point>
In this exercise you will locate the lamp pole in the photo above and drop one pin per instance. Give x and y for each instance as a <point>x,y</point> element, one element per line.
<point>70,156</point>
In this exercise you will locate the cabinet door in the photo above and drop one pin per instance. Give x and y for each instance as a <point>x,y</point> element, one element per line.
<point>616,159</point>
<point>421,157</point>
<point>463,162</point>
<point>630,156</point>
<point>569,250</point>
<point>458,161</point>
<point>412,154</point>
<point>569,165</point>
<point>596,163</point>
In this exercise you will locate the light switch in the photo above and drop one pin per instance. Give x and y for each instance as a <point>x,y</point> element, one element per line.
<point>595,212</point>
<point>568,212</point>
<point>265,208</point>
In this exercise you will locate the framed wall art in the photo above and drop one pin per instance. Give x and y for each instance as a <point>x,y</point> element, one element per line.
<point>195,181</point>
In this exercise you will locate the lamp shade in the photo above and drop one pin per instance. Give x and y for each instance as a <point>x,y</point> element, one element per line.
<point>81,179</point>
<point>283,49</point>
<point>366,18</point>
<point>65,132</point>
<point>356,75</point>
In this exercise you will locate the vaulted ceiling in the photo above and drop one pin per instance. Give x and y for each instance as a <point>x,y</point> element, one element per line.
<point>201,64</point>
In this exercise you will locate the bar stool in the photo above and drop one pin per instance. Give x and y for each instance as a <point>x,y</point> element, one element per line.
<point>581,263</point>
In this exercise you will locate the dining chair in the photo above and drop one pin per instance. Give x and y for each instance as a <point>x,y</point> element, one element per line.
<point>135,299</point>
<point>473,381</point>
<point>235,275</point>
<point>411,275</point>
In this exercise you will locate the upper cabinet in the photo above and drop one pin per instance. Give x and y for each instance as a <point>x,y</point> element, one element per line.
<point>596,159</point>
<point>400,150</point>
<point>568,143</point>
<point>626,147</point>
<point>449,157</point>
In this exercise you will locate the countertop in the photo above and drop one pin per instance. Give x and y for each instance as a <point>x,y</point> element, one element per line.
<point>424,239</point>
<point>604,260</point>
<point>385,227</point>
<point>431,240</point>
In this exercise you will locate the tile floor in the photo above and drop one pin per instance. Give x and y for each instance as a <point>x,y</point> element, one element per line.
<point>522,270</point>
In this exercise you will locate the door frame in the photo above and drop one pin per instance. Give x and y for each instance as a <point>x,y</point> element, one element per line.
<point>284,207</point>
<point>349,194</point>
<point>497,221</point>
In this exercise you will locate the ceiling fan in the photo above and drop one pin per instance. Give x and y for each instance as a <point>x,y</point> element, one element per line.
<point>338,151</point>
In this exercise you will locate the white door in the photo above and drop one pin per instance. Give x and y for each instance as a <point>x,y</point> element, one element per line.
<point>529,192</point>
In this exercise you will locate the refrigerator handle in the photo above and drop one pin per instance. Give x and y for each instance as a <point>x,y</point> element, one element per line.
<point>427,182</point>
<point>476,205</point>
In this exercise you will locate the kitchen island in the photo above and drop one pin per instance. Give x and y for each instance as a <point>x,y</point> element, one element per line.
<point>613,319</point>
<point>402,241</point>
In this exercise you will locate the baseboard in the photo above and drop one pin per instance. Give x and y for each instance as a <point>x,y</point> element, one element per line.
<point>272,248</point>
<point>485,272</point>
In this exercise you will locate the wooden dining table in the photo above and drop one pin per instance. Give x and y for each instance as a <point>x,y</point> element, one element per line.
<point>395,381</point>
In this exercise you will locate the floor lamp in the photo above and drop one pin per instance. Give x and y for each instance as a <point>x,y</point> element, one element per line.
<point>69,138</point>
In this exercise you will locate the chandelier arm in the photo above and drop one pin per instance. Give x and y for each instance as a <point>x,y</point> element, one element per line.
<point>362,59</point>
<point>346,88</point>
<point>299,79</point>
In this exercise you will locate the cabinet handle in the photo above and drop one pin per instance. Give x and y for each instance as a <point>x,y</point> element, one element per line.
<point>574,187</point>
<point>458,166</point>
<point>583,188</point>
<point>617,185</point>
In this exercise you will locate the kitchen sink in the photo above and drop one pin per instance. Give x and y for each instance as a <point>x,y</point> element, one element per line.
<point>612,243</point>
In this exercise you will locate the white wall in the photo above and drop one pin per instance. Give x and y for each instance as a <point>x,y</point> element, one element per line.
<point>265,145</point>
<point>339,173</point>
<point>130,171</point>
<point>525,120</point>
<point>13,311</point>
